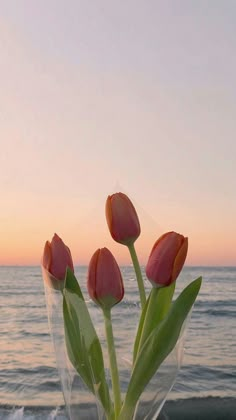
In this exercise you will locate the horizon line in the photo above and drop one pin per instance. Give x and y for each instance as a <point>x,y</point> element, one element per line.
<point>124,265</point>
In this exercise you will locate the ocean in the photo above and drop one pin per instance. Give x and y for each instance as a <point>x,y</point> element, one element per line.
<point>29,383</point>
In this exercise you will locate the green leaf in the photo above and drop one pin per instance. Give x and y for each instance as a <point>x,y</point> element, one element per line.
<point>83,346</point>
<point>155,310</point>
<point>158,345</point>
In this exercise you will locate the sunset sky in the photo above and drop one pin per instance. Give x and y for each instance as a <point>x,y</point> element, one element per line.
<point>104,96</point>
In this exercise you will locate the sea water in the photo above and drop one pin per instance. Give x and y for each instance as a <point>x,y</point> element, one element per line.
<point>29,382</point>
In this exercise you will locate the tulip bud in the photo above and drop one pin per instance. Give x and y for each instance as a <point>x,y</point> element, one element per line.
<point>166,259</point>
<point>56,259</point>
<point>104,282</point>
<point>122,219</point>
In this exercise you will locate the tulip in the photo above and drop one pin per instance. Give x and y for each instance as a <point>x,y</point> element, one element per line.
<point>122,219</point>
<point>105,284</point>
<point>56,259</point>
<point>124,227</point>
<point>105,287</point>
<point>167,259</point>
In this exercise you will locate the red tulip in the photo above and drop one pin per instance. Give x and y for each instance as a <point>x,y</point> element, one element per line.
<point>105,284</point>
<point>56,258</point>
<point>122,219</point>
<point>167,259</point>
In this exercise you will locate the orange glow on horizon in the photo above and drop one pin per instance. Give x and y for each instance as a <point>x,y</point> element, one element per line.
<point>17,251</point>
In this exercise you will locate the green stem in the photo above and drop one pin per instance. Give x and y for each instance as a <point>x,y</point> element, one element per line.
<point>138,274</point>
<point>113,361</point>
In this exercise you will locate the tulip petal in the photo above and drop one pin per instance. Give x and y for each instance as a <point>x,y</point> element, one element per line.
<point>180,259</point>
<point>111,288</point>
<point>122,219</point>
<point>56,258</point>
<point>61,258</point>
<point>92,270</point>
<point>159,269</point>
<point>47,256</point>
<point>104,281</point>
<point>108,212</point>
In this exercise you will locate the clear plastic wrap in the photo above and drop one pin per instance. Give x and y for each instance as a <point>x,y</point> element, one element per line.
<point>79,400</point>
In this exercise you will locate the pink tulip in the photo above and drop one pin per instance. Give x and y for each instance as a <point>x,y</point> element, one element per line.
<point>122,219</point>
<point>167,259</point>
<point>56,258</point>
<point>105,284</point>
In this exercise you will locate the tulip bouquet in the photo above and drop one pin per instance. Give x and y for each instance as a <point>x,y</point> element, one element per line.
<point>159,324</point>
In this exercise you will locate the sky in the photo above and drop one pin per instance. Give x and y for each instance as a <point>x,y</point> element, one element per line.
<point>102,96</point>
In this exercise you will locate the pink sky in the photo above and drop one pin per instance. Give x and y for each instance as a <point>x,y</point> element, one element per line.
<point>102,99</point>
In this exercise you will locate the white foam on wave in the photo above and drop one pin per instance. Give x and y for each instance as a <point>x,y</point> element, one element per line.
<point>20,414</point>
<point>53,414</point>
<point>17,414</point>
